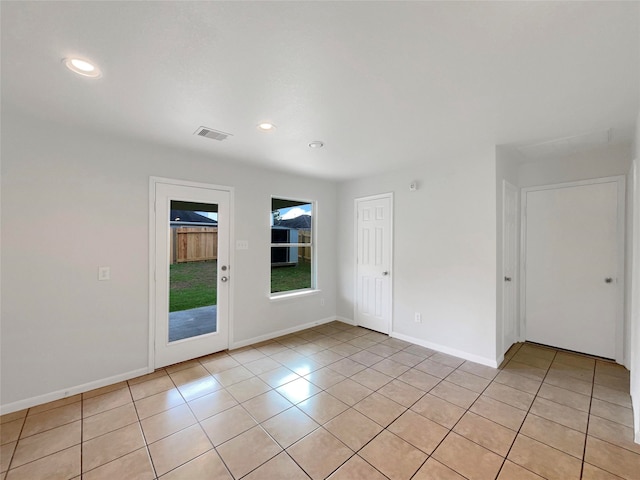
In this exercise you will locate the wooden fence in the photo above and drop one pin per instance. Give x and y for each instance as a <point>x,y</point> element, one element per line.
<point>196,244</point>
<point>193,244</point>
<point>304,253</point>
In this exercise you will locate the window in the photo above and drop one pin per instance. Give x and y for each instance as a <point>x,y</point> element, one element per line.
<point>291,245</point>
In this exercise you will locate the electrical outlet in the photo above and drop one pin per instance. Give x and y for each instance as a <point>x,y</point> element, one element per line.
<point>417,318</point>
<point>322,302</point>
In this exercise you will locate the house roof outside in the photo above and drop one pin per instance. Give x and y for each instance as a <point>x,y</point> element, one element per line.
<point>186,216</point>
<point>300,222</point>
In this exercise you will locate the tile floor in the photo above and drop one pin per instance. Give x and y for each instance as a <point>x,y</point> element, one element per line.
<point>340,402</point>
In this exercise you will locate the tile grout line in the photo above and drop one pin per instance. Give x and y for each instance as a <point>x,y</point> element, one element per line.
<point>322,365</point>
<point>524,419</point>
<point>24,421</point>
<point>572,391</point>
<point>408,408</point>
<point>355,453</point>
<point>374,391</point>
<point>468,410</point>
<point>295,405</point>
<point>81,433</point>
<point>259,424</point>
<point>586,435</point>
<point>112,431</point>
<point>144,437</point>
<point>198,421</point>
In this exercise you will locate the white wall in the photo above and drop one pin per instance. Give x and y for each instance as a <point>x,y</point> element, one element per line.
<point>73,200</point>
<point>602,162</point>
<point>444,252</point>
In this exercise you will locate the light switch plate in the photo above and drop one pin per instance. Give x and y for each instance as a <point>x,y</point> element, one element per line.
<point>104,273</point>
<point>242,244</point>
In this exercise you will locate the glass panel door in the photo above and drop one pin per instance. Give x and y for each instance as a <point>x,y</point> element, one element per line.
<point>192,272</point>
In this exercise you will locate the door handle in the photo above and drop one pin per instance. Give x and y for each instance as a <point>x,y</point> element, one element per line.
<point>608,280</point>
<point>224,279</point>
<point>507,279</point>
<point>385,273</point>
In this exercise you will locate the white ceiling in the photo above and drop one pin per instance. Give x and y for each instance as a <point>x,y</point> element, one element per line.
<point>382,84</point>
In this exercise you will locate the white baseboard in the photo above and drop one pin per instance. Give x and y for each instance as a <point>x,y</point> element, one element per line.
<point>346,320</point>
<point>448,350</point>
<point>68,392</point>
<point>279,333</point>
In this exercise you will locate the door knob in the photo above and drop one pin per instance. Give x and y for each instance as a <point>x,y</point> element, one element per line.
<point>507,279</point>
<point>223,279</point>
<point>385,273</point>
<point>608,280</point>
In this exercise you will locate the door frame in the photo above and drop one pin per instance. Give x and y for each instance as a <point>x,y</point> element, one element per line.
<point>620,244</point>
<point>356,201</point>
<point>516,274</point>
<point>153,181</point>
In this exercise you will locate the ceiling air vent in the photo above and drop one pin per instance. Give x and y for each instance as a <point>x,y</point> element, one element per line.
<point>212,134</point>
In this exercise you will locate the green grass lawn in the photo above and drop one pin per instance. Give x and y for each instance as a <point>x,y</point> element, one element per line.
<point>290,278</point>
<point>193,284</point>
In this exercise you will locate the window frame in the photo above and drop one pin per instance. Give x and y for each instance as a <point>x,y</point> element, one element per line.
<point>311,246</point>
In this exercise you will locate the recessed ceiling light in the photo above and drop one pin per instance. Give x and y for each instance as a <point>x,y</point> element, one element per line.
<point>266,127</point>
<point>82,67</point>
<point>316,144</point>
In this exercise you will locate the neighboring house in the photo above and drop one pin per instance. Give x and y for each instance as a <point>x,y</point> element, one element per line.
<point>302,222</point>
<point>183,218</point>
<point>287,231</point>
<point>284,256</point>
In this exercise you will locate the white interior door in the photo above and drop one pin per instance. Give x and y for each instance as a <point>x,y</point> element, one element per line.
<point>191,330</point>
<point>373,272</point>
<point>510,243</point>
<point>573,267</point>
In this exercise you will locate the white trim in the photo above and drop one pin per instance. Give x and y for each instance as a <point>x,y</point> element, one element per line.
<point>621,221</point>
<point>348,321</point>
<point>494,363</point>
<point>314,255</point>
<point>516,273</point>
<point>293,294</point>
<point>633,322</point>
<point>388,195</point>
<point>153,181</point>
<point>279,333</point>
<point>68,392</point>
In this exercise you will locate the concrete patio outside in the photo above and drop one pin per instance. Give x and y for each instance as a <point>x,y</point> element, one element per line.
<point>192,322</point>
